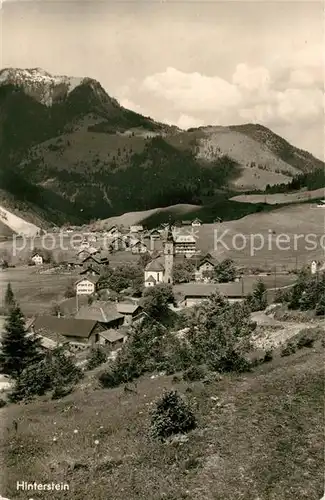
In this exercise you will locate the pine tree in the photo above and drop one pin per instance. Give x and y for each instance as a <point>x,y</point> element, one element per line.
<point>259,296</point>
<point>9,297</point>
<point>18,349</point>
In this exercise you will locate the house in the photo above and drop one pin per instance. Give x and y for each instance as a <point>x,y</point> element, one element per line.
<point>85,252</point>
<point>314,267</point>
<point>100,259</point>
<point>118,244</point>
<point>86,286</point>
<point>37,259</point>
<point>90,270</point>
<point>154,234</point>
<point>196,223</point>
<point>74,264</point>
<point>63,330</point>
<point>185,244</point>
<point>139,247</point>
<point>106,313</point>
<point>113,339</point>
<point>204,267</point>
<point>90,237</point>
<point>191,294</point>
<point>136,229</point>
<point>112,231</point>
<point>217,220</point>
<point>84,245</point>
<point>131,312</point>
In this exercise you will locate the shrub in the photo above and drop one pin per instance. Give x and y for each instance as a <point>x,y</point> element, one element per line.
<point>305,341</point>
<point>289,349</point>
<point>56,372</point>
<point>171,415</point>
<point>96,358</point>
<point>2,403</point>
<point>268,356</point>
<point>194,373</point>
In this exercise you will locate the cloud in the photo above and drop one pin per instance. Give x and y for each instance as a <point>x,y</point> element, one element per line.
<point>127,103</point>
<point>275,95</point>
<point>192,91</point>
<point>251,79</point>
<point>185,121</point>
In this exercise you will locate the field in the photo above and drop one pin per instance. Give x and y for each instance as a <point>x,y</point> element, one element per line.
<point>264,230</point>
<point>276,198</point>
<point>35,292</point>
<point>259,437</point>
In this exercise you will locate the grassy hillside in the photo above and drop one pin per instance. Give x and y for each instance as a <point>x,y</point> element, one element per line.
<point>259,436</point>
<point>297,158</point>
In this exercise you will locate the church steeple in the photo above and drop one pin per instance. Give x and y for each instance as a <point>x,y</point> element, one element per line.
<point>169,255</point>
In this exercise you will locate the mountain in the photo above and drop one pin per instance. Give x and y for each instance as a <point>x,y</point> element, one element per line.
<point>70,152</point>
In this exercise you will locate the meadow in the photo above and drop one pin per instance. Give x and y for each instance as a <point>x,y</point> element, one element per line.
<point>35,292</point>
<point>290,221</point>
<point>259,437</point>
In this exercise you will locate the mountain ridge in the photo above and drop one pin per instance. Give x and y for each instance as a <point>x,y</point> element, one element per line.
<point>83,156</point>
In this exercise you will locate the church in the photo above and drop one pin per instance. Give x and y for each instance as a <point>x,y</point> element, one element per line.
<point>160,270</point>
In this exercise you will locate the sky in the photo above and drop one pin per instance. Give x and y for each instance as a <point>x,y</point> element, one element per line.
<point>187,63</point>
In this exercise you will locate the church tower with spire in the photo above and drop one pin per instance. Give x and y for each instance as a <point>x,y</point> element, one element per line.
<point>169,256</point>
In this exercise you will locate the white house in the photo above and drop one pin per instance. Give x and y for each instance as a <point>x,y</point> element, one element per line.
<point>37,259</point>
<point>136,229</point>
<point>207,265</point>
<point>139,247</point>
<point>185,244</point>
<point>154,273</point>
<point>86,286</point>
<point>313,267</point>
<point>196,223</point>
<point>112,231</point>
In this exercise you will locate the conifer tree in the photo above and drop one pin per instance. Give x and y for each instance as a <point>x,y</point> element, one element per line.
<point>9,297</point>
<point>18,349</point>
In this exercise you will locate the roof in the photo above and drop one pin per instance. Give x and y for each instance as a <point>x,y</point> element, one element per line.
<point>230,290</point>
<point>125,308</point>
<point>92,279</point>
<point>155,265</point>
<point>206,261</point>
<point>90,250</point>
<point>90,269</point>
<point>137,243</point>
<point>151,279</point>
<point>113,335</point>
<point>66,327</point>
<point>100,310</point>
<point>184,238</point>
<point>68,307</point>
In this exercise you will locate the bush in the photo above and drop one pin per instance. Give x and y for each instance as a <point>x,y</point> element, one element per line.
<point>305,341</point>
<point>3,403</point>
<point>268,356</point>
<point>96,358</point>
<point>171,415</point>
<point>56,372</point>
<point>289,349</point>
<point>194,373</point>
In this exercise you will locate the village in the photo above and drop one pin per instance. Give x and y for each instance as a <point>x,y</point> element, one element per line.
<point>95,314</point>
